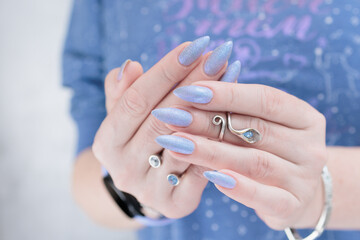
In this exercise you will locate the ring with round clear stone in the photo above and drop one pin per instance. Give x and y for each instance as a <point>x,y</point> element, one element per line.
<point>173,179</point>
<point>155,161</point>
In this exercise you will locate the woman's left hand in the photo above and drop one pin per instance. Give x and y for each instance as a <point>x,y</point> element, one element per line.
<point>279,176</point>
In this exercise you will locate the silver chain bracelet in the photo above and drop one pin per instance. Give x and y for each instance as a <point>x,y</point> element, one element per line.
<point>292,234</point>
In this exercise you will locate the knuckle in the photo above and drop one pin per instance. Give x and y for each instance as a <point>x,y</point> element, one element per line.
<point>168,75</point>
<point>282,208</point>
<point>156,127</point>
<point>260,167</point>
<point>133,103</point>
<point>270,101</point>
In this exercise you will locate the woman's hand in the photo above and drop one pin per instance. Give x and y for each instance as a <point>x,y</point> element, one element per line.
<point>279,176</point>
<point>125,139</point>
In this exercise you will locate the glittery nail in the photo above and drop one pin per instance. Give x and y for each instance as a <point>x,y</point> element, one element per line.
<point>173,116</point>
<point>218,58</point>
<point>195,94</point>
<point>232,72</point>
<point>176,144</point>
<point>194,51</point>
<point>220,179</point>
<point>122,69</point>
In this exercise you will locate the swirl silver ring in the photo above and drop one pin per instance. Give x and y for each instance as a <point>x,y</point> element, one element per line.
<point>217,120</point>
<point>249,135</point>
<point>155,161</point>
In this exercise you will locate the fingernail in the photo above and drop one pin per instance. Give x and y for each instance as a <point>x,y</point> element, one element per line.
<point>218,58</point>
<point>173,116</point>
<point>220,179</point>
<point>122,68</point>
<point>194,50</point>
<point>195,94</point>
<point>176,144</point>
<point>232,72</point>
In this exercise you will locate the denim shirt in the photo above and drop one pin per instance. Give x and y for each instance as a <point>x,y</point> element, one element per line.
<point>308,48</point>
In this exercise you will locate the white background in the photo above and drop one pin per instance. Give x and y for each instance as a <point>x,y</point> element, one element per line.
<point>37,136</point>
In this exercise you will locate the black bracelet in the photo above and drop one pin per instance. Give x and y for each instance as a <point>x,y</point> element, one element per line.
<point>127,202</point>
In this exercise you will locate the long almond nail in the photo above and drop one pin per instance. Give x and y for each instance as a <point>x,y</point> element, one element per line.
<point>232,72</point>
<point>122,69</point>
<point>218,58</point>
<point>173,116</point>
<point>176,144</point>
<point>193,51</point>
<point>195,94</point>
<point>220,179</point>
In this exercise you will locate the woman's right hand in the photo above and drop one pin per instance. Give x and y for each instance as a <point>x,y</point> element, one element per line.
<point>125,139</point>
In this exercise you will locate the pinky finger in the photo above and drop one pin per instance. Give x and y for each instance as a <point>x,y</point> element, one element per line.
<point>267,200</point>
<point>119,80</point>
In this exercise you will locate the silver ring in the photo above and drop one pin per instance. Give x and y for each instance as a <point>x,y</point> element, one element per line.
<point>249,135</point>
<point>217,120</point>
<point>155,161</point>
<point>173,179</point>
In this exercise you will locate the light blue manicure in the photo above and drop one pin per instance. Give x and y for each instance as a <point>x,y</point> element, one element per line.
<point>220,179</point>
<point>194,50</point>
<point>218,58</point>
<point>122,68</point>
<point>195,94</point>
<point>232,72</point>
<point>173,116</point>
<point>176,144</point>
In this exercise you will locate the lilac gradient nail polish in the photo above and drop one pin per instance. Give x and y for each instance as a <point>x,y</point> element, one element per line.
<point>194,51</point>
<point>232,72</point>
<point>173,116</point>
<point>176,144</point>
<point>122,68</point>
<point>220,179</point>
<point>195,94</point>
<point>218,58</point>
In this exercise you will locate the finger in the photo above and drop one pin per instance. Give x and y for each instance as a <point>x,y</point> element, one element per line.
<point>152,128</point>
<point>253,163</point>
<point>276,139</point>
<point>159,194</point>
<point>119,80</point>
<point>190,189</point>
<point>139,99</point>
<point>253,100</point>
<point>268,200</point>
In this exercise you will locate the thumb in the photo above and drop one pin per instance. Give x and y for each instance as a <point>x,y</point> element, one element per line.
<point>119,80</point>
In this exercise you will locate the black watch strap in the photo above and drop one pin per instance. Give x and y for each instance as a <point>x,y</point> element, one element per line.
<point>127,202</point>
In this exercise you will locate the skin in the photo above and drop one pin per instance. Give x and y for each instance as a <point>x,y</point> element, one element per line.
<point>279,176</point>
<point>269,178</point>
<point>129,126</point>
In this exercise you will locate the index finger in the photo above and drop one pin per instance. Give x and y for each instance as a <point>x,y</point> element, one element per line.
<point>251,99</point>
